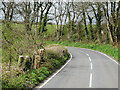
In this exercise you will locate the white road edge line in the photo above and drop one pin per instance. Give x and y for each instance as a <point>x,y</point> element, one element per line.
<point>90,84</point>
<point>109,57</point>
<point>56,72</point>
<point>102,54</point>
<point>106,56</point>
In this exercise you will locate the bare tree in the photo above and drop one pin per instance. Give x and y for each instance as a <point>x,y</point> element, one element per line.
<point>98,16</point>
<point>90,18</point>
<point>112,20</point>
<point>59,16</point>
<point>29,11</point>
<point>117,23</point>
<point>84,21</point>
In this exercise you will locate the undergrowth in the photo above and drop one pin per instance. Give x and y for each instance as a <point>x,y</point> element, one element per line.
<point>33,77</point>
<point>105,48</point>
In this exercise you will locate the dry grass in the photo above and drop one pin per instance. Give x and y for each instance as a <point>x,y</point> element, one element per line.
<point>56,49</point>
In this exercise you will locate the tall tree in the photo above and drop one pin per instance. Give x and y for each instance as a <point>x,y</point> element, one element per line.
<point>8,10</point>
<point>90,24</point>
<point>112,20</point>
<point>117,23</point>
<point>98,16</point>
<point>84,21</point>
<point>29,11</point>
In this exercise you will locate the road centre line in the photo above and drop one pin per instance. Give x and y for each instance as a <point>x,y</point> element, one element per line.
<point>90,83</point>
<point>90,59</point>
<point>91,66</point>
<point>102,54</point>
<point>84,53</point>
<point>87,55</point>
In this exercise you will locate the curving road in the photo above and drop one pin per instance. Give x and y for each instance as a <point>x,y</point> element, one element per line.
<point>87,69</point>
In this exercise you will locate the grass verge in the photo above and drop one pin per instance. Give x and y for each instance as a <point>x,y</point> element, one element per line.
<point>105,48</point>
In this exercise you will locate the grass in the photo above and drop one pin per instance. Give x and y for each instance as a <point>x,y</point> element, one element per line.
<point>51,28</point>
<point>105,48</point>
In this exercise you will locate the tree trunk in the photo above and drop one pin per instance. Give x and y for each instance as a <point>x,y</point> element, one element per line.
<point>109,32</point>
<point>79,27</point>
<point>57,33</point>
<point>118,22</point>
<point>45,18</point>
<point>91,28</point>
<point>40,23</point>
<point>109,26</point>
<point>85,25</point>
<point>98,23</point>
<point>98,17</point>
<point>10,59</point>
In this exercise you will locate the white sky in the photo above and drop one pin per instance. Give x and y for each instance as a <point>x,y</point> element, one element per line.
<point>19,18</point>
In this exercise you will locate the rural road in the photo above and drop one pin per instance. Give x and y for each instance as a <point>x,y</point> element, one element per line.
<point>87,69</point>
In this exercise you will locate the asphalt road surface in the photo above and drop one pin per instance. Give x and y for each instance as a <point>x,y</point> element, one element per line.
<point>87,69</point>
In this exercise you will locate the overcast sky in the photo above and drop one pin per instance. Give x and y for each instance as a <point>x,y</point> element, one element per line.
<point>20,18</point>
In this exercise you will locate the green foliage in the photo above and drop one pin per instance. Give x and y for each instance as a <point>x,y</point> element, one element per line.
<point>48,65</point>
<point>21,43</point>
<point>34,76</point>
<point>119,53</point>
<point>30,79</point>
<point>16,82</point>
<point>17,40</point>
<point>56,62</point>
<point>105,48</point>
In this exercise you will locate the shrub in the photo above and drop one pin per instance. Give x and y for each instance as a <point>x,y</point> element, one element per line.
<point>56,63</point>
<point>19,79</point>
<point>48,65</point>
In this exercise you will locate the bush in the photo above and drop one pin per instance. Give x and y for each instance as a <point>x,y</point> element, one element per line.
<point>48,65</point>
<point>56,63</point>
<point>29,79</point>
<point>16,82</point>
<point>105,48</point>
